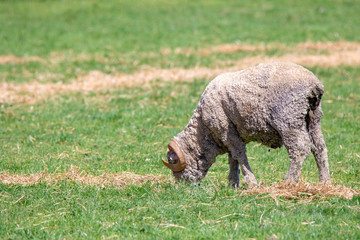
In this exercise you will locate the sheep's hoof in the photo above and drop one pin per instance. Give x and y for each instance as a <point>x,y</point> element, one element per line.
<point>253,185</point>
<point>325,182</point>
<point>234,185</point>
<point>251,181</point>
<point>325,179</point>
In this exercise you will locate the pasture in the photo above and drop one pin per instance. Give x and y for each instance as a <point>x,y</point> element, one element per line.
<point>91,92</point>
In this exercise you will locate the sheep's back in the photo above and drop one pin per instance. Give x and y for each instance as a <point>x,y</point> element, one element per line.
<point>249,98</point>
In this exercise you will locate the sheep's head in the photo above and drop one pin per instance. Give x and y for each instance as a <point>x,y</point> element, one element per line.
<point>176,159</point>
<point>184,166</point>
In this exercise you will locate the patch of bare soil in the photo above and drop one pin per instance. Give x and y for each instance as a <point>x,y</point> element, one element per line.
<point>79,176</point>
<point>304,191</point>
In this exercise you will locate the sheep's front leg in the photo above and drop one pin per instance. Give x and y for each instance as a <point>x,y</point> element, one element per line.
<point>237,155</point>
<point>248,175</point>
<point>234,172</point>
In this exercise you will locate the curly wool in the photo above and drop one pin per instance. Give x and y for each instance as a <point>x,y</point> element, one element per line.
<point>274,104</point>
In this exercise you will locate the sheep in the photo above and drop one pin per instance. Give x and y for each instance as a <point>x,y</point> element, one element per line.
<point>274,104</point>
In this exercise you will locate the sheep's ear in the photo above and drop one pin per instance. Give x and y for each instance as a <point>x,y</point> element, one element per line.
<point>175,157</point>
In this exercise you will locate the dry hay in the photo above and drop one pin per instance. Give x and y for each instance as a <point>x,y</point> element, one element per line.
<point>80,176</point>
<point>301,47</point>
<point>13,59</point>
<point>96,81</point>
<point>304,191</point>
<point>287,190</point>
<point>330,47</point>
<point>340,53</point>
<point>342,58</point>
<point>59,57</point>
<point>54,58</point>
<point>225,48</point>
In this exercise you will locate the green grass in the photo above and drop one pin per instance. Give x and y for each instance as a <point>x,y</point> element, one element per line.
<point>169,212</point>
<point>120,133</point>
<point>115,131</point>
<point>124,31</point>
<point>41,27</point>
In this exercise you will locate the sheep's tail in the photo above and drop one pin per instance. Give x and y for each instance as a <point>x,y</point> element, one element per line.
<point>315,96</point>
<point>314,113</point>
<point>318,146</point>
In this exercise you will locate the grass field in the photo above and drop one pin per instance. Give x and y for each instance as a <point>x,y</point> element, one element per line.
<point>92,91</point>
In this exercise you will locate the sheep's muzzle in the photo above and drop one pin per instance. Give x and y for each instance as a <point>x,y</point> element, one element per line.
<point>181,163</point>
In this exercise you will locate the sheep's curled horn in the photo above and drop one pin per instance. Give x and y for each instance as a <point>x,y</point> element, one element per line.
<point>181,163</point>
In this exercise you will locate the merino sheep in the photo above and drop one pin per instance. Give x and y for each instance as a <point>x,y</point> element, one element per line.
<point>274,104</point>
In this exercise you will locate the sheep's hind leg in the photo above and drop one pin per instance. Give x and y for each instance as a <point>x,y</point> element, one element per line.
<point>318,147</point>
<point>297,143</point>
